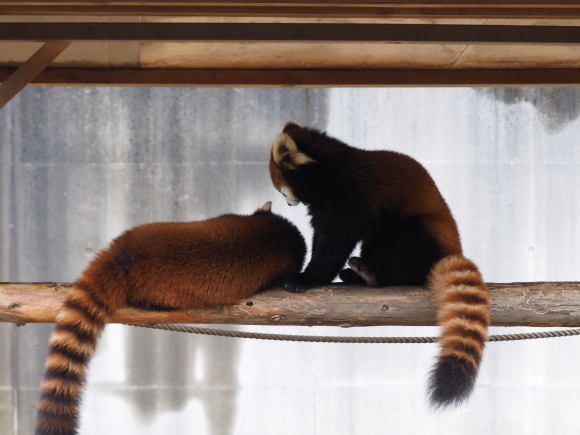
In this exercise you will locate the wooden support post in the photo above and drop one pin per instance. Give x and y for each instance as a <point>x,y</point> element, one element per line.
<point>30,69</point>
<point>516,304</point>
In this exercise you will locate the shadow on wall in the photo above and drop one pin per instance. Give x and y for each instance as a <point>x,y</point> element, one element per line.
<point>184,367</point>
<point>180,368</point>
<point>557,106</point>
<point>83,164</point>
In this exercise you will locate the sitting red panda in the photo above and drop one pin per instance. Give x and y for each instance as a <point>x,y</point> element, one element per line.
<point>163,266</point>
<point>390,203</point>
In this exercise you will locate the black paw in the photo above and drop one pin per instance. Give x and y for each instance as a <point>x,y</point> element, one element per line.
<point>360,268</point>
<point>349,276</point>
<point>300,283</point>
<point>355,263</point>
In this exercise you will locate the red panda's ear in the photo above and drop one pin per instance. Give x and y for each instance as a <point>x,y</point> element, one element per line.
<point>289,124</point>
<point>266,208</point>
<point>286,154</point>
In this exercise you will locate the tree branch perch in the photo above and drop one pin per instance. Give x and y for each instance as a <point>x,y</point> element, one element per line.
<point>514,304</point>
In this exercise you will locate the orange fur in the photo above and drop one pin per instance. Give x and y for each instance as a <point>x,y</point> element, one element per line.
<point>463,313</point>
<point>164,265</point>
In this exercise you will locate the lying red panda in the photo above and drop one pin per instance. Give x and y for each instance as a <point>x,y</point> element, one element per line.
<point>162,266</point>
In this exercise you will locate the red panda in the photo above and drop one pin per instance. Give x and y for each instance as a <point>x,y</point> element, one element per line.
<point>389,202</point>
<point>163,266</point>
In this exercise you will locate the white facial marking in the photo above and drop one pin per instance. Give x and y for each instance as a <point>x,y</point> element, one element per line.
<point>289,195</point>
<point>284,146</point>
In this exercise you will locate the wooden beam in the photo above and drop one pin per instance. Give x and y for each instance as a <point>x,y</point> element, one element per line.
<point>516,304</point>
<point>563,9</point>
<point>302,77</point>
<point>291,32</point>
<point>29,70</point>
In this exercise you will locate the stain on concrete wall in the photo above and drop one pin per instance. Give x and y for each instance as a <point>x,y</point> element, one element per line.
<point>557,106</point>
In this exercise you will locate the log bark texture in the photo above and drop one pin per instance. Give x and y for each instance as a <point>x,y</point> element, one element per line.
<point>513,304</point>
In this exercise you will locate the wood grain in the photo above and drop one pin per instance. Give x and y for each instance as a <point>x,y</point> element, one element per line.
<point>514,304</point>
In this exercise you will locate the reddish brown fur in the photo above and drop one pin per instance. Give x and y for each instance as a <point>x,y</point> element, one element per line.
<point>385,179</point>
<point>388,201</point>
<point>161,265</point>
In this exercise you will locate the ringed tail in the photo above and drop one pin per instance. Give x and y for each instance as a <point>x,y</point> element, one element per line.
<point>463,314</point>
<point>78,326</point>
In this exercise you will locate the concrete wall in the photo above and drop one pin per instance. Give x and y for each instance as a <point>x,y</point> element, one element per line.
<point>80,165</point>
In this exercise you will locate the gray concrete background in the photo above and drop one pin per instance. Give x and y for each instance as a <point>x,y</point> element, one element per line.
<point>79,165</point>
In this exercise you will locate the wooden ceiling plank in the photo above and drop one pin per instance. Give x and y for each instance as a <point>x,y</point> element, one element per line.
<point>303,12</point>
<point>304,77</point>
<point>30,69</point>
<point>432,3</point>
<point>318,11</point>
<point>226,3</point>
<point>302,8</point>
<point>291,32</point>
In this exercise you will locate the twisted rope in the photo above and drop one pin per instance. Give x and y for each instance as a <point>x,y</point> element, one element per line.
<point>319,339</point>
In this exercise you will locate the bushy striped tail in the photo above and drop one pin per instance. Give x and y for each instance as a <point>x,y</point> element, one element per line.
<point>463,314</point>
<point>78,326</point>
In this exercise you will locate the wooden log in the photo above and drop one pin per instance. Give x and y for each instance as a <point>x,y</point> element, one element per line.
<point>292,32</point>
<point>303,77</point>
<point>514,304</point>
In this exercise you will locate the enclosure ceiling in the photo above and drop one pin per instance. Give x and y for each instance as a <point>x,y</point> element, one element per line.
<point>294,43</point>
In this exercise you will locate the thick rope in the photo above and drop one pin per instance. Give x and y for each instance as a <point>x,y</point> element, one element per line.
<point>319,339</point>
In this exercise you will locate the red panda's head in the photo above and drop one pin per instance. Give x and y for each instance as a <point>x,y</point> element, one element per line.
<point>285,158</point>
